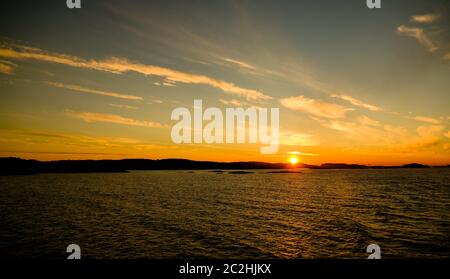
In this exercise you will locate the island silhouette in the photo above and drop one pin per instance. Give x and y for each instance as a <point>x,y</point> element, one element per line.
<point>18,166</point>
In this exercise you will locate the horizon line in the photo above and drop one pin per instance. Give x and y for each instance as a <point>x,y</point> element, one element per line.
<point>298,165</point>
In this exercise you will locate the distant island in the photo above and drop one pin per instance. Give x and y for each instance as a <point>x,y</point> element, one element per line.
<point>17,166</point>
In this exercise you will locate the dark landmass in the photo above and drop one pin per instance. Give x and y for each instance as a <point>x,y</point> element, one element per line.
<point>240,172</point>
<point>17,166</point>
<point>342,166</point>
<point>284,171</point>
<point>416,166</point>
<point>408,166</point>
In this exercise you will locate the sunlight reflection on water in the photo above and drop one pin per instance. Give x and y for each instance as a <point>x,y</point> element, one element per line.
<point>203,214</point>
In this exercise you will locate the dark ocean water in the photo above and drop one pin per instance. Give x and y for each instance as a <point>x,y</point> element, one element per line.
<point>202,214</point>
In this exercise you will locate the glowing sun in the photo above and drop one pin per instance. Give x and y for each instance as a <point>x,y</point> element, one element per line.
<point>293,160</point>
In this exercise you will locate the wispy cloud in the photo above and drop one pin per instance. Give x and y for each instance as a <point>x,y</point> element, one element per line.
<point>418,34</point>
<point>428,119</point>
<point>432,34</point>
<point>7,67</point>
<point>240,64</point>
<point>428,136</point>
<point>298,139</point>
<point>365,129</point>
<point>392,138</point>
<point>302,153</point>
<point>341,126</point>
<point>167,83</point>
<point>82,89</point>
<point>297,75</point>
<point>121,65</point>
<point>232,102</point>
<point>159,102</point>
<point>123,106</point>
<point>315,107</point>
<point>447,56</point>
<point>111,118</point>
<point>356,102</point>
<point>87,143</point>
<point>367,121</point>
<point>426,18</point>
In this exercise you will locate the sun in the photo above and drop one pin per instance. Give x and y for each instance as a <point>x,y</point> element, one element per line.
<point>293,161</point>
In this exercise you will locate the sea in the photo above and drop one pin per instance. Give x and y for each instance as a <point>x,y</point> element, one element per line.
<point>251,214</point>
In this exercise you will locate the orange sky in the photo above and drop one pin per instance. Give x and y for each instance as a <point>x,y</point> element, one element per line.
<point>353,85</point>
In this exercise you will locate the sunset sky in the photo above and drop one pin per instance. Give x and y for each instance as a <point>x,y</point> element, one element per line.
<point>353,85</point>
